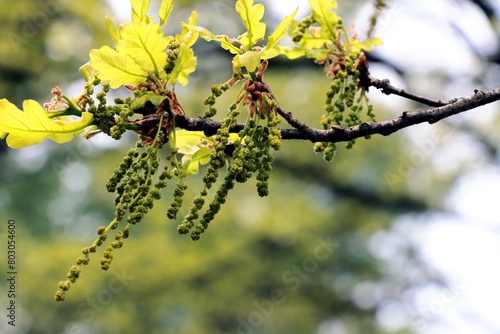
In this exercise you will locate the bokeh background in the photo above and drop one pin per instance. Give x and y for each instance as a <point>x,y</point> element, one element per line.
<point>398,235</point>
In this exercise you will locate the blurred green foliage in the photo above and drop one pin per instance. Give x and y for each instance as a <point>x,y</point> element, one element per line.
<point>298,261</point>
<point>44,41</point>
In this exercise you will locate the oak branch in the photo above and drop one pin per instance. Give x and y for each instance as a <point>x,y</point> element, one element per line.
<point>437,111</point>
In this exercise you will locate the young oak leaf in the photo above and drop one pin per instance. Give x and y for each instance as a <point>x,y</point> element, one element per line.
<point>250,57</point>
<point>195,148</point>
<point>88,72</point>
<point>166,7</point>
<point>250,17</point>
<point>140,49</point>
<point>118,68</point>
<point>325,16</point>
<point>328,39</point>
<point>145,43</point>
<point>186,62</point>
<point>112,30</point>
<point>34,125</point>
<point>185,140</point>
<point>225,41</point>
<point>191,163</point>
<point>140,10</point>
<point>366,44</point>
<point>250,60</point>
<point>271,49</point>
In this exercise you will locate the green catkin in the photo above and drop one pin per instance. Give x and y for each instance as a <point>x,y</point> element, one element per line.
<point>214,207</point>
<point>344,106</point>
<point>136,189</point>
<point>303,25</point>
<point>216,162</point>
<point>178,199</point>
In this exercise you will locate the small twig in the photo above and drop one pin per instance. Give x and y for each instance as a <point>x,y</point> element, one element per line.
<point>296,123</point>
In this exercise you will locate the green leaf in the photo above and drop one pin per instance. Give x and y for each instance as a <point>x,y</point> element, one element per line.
<point>185,66</point>
<point>250,60</point>
<point>225,41</point>
<point>118,68</point>
<point>195,147</point>
<point>366,45</point>
<point>250,16</point>
<point>188,36</point>
<point>191,165</point>
<point>325,16</point>
<point>186,63</point>
<point>280,31</point>
<point>87,71</point>
<point>272,50</point>
<point>145,43</point>
<point>155,99</point>
<point>293,52</point>
<point>184,140</point>
<point>113,31</point>
<point>140,10</point>
<point>34,125</point>
<point>166,7</point>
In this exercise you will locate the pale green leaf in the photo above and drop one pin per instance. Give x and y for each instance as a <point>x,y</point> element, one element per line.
<point>201,156</point>
<point>145,43</point>
<point>325,16</point>
<point>140,10</point>
<point>225,41</point>
<point>113,31</point>
<point>366,45</point>
<point>293,52</point>
<point>166,7</point>
<point>116,67</point>
<point>194,147</point>
<point>233,137</point>
<point>272,50</point>
<point>269,53</point>
<point>191,167</point>
<point>188,36</point>
<point>250,16</point>
<point>87,71</point>
<point>250,60</point>
<point>186,63</point>
<point>34,125</point>
<point>311,42</point>
<point>185,139</point>
<point>280,31</point>
<point>155,99</point>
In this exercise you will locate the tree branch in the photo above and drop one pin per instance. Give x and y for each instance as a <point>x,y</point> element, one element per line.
<point>302,131</point>
<point>385,86</point>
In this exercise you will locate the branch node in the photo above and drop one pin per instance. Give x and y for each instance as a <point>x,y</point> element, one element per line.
<point>433,120</point>
<point>479,94</point>
<point>364,126</point>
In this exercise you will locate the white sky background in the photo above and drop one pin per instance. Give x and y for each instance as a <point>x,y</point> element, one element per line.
<point>465,247</point>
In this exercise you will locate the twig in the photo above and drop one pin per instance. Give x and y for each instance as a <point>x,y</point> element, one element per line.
<point>385,86</point>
